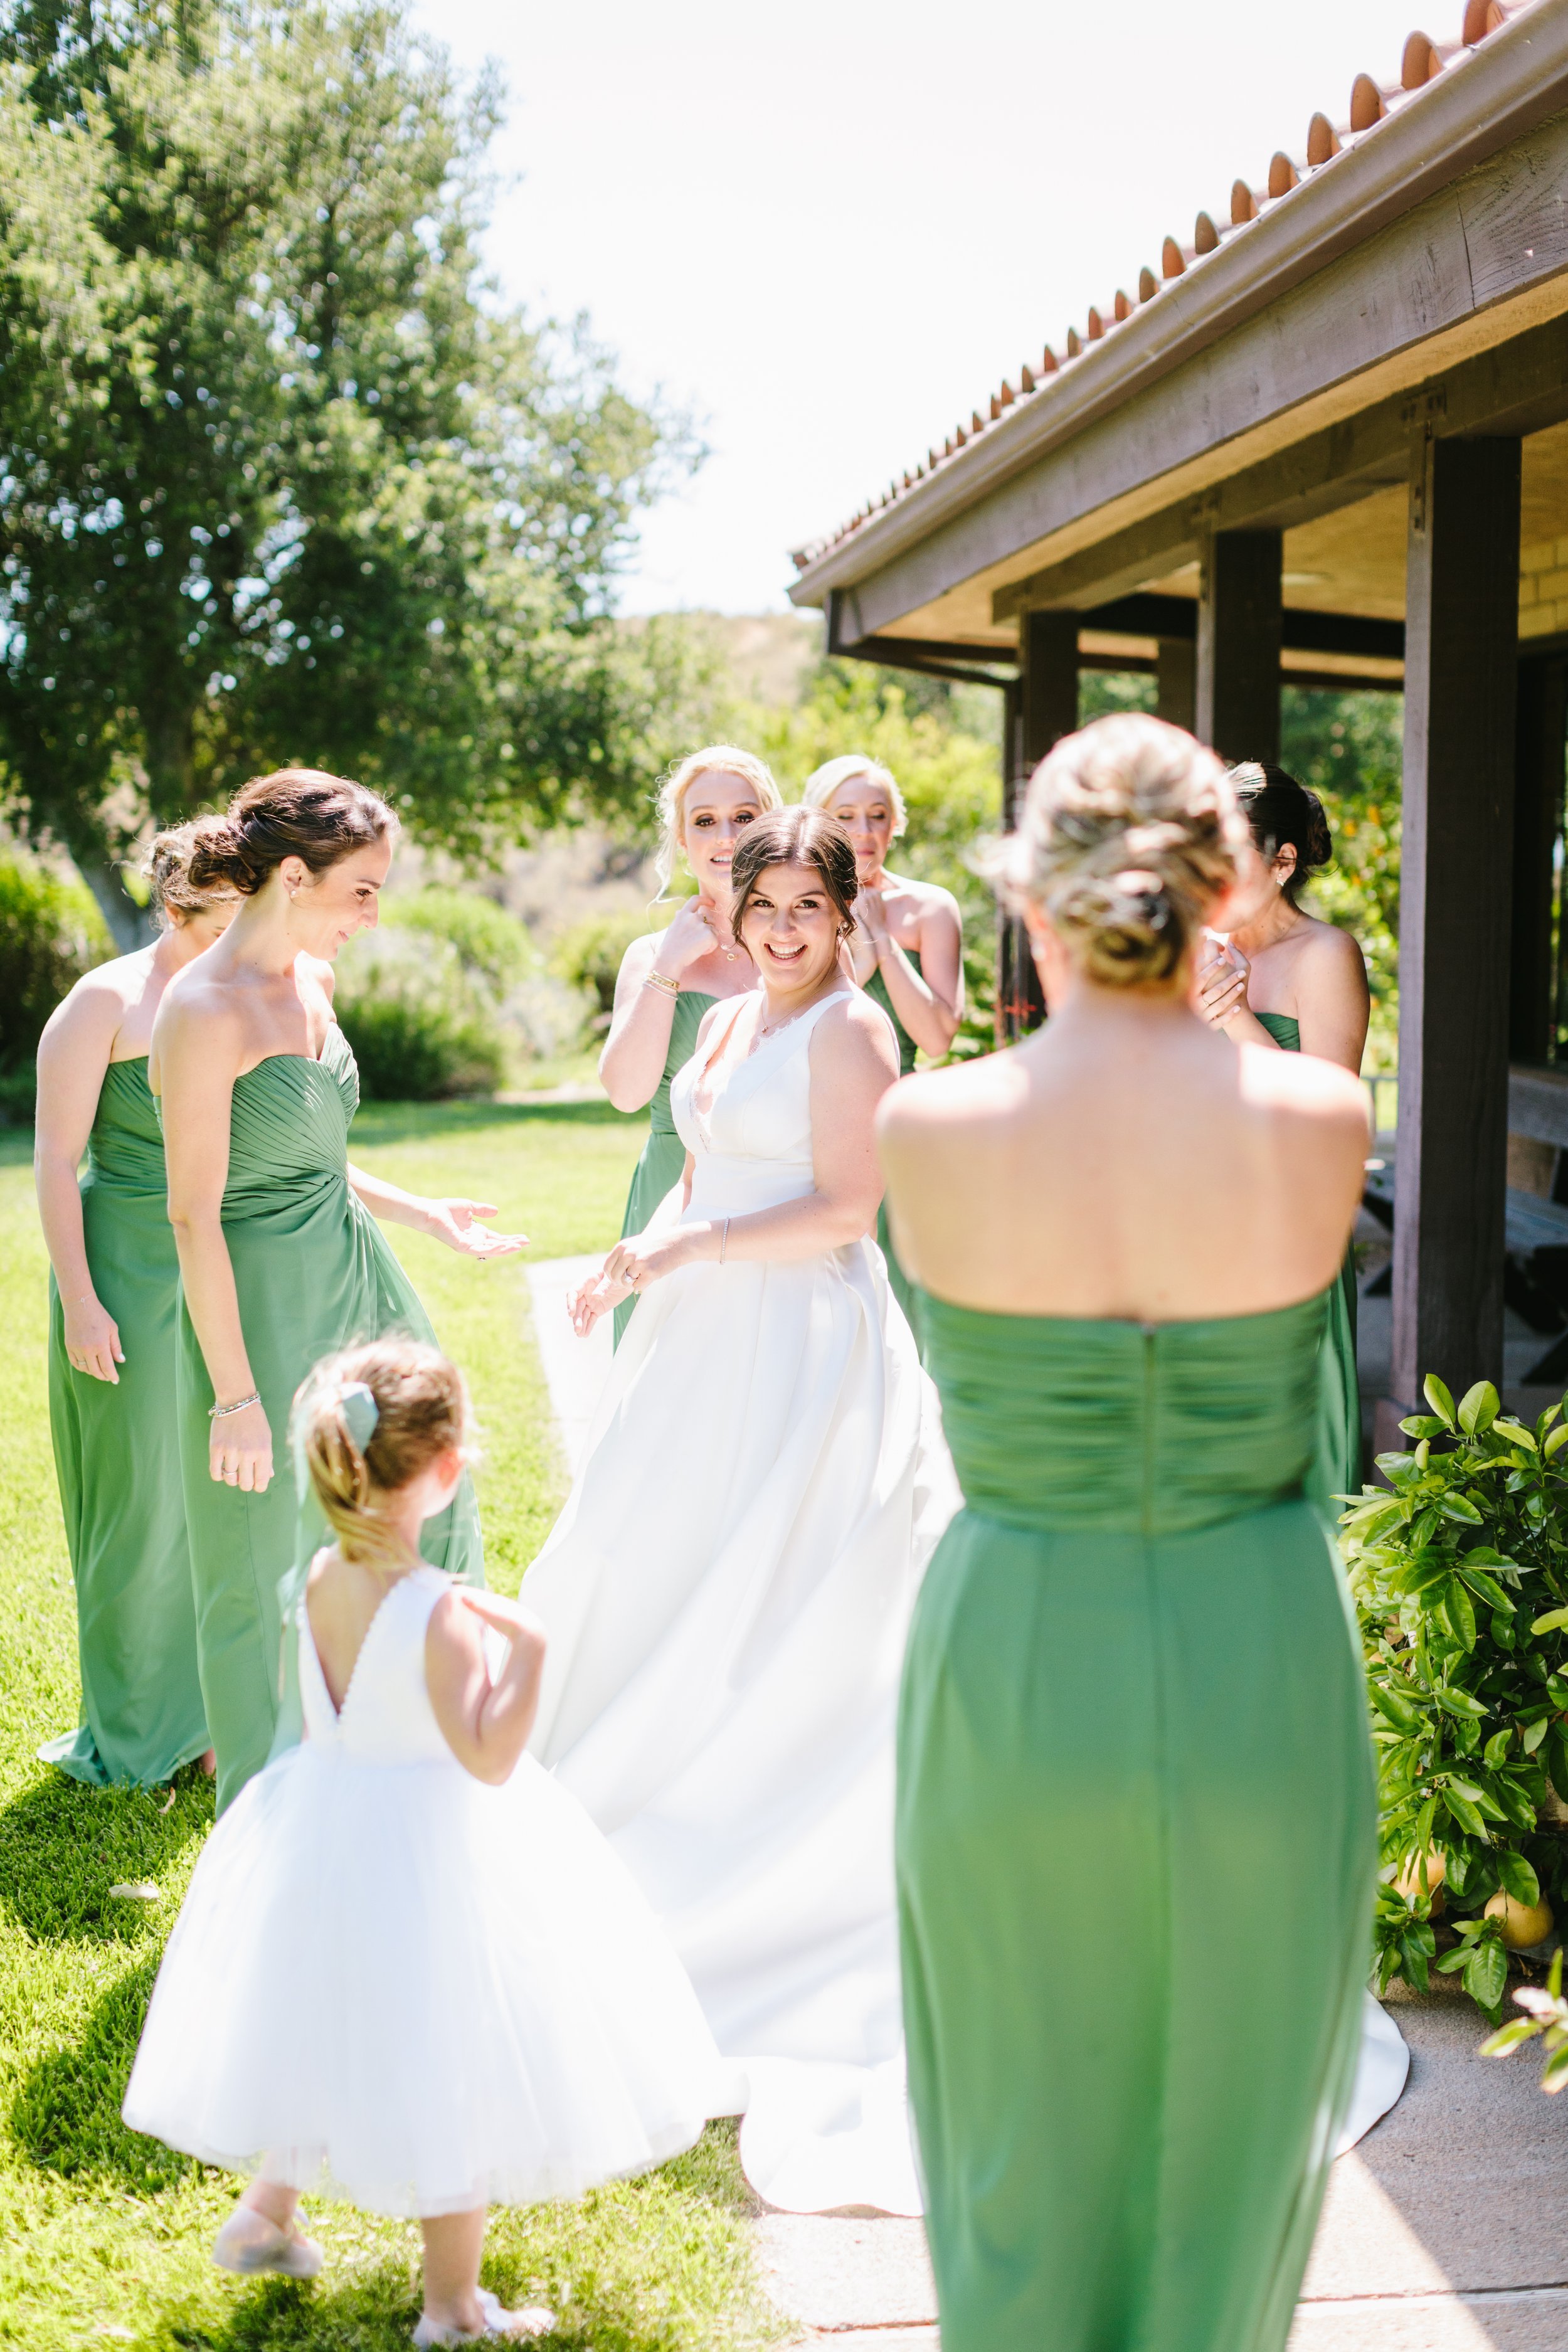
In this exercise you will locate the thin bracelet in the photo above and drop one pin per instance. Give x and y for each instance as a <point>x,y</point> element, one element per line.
<point>665,987</point>
<point>222,1412</point>
<point>723,1241</point>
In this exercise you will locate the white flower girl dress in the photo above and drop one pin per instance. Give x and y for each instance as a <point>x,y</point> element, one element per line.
<point>404,1988</point>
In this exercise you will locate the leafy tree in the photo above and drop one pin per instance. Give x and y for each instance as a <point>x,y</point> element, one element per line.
<point>281,478</point>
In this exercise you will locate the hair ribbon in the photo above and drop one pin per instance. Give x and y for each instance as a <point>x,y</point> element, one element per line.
<point>361,1412</point>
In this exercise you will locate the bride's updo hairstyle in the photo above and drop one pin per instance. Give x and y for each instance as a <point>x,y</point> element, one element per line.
<point>796,836</point>
<point>1129,831</point>
<point>672,792</point>
<point>1284,814</point>
<point>296,812</point>
<point>365,1423</point>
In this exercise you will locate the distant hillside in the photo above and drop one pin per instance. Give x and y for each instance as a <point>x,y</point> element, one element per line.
<point>760,656</point>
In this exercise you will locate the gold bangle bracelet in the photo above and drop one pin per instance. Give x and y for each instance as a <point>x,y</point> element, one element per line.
<point>665,987</point>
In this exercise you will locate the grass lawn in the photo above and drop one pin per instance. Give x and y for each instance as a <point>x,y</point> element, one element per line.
<point>104,2237</point>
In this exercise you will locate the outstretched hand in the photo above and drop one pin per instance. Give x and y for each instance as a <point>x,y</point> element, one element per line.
<point>456,1222</point>
<point>631,1265</point>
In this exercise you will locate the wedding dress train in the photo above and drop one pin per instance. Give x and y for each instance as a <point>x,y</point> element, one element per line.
<point>726,1595</point>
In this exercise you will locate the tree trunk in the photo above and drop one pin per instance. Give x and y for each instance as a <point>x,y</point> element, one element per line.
<point>130,925</point>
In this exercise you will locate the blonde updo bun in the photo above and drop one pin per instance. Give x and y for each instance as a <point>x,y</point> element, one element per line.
<point>1129,833</point>
<point>166,870</point>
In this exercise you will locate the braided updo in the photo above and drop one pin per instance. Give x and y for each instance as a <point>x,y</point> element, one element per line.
<point>421,1412</point>
<point>1128,832</point>
<point>295,813</point>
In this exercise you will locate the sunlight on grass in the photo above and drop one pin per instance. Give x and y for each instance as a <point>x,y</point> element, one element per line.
<point>104,2236</point>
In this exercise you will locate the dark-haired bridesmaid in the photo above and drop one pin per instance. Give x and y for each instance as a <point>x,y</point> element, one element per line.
<point>113,1288</point>
<point>281,1261</point>
<point>1288,981</point>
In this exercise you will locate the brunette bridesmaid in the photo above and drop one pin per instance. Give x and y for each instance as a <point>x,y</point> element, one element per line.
<point>669,979</point>
<point>1296,985</point>
<point>113,1283</point>
<point>1134,1655</point>
<point>281,1261</point>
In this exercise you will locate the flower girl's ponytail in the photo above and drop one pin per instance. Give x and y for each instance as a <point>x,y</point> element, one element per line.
<point>365,1423</point>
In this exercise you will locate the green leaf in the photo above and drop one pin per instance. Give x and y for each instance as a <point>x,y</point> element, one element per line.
<point>1439,1399</point>
<point>1483,1801</point>
<point>1486,1975</point>
<point>1558,1439</point>
<point>1515,1431</point>
<point>1422,1425</point>
<point>1554,2074</point>
<point>1551,1621</point>
<point>1532,1735</point>
<point>1518,1878</point>
<point>1464,1813</point>
<point>1478,1407</point>
<point>1456,1701</point>
<point>1490,1590</point>
<point>1459,1610</point>
<point>1509,2037</point>
<point>1495,1748</point>
<point>1396,1706</point>
<point>1425,1528</point>
<point>1460,1508</point>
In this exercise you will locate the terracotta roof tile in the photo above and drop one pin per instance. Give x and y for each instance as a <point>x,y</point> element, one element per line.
<point>1371,102</point>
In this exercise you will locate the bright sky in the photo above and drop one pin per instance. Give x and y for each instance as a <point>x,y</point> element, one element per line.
<point>830,228</point>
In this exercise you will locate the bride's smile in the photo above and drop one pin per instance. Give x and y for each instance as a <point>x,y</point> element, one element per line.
<point>791,929</point>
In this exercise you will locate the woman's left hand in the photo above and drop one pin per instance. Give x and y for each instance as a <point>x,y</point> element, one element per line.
<point>1221,986</point>
<point>456,1223</point>
<point>867,942</point>
<point>631,1265</point>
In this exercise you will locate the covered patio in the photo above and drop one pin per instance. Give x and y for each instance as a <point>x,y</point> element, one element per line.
<point>1324,441</point>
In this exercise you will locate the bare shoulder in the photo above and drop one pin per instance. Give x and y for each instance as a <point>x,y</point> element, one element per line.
<point>198,1010</point>
<point>452,1632</point>
<point>100,999</point>
<point>638,961</point>
<point>853,1027</point>
<point>1303,1084</point>
<point>1328,948</point>
<point>968,1095</point>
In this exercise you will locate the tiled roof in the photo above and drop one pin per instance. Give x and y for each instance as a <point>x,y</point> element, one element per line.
<point>1371,103</point>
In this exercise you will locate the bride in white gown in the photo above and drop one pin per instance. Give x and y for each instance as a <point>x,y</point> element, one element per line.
<point>727,1588</point>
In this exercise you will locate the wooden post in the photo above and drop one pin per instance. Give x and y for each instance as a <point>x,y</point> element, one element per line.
<point>1239,608</point>
<point>1540,733</point>
<point>1175,682</point>
<point>1461,639</point>
<point>1047,710</point>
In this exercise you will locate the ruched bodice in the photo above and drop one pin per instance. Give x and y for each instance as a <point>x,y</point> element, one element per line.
<point>386,1716</point>
<point>751,1143</point>
<point>1055,1422</point>
<point>125,1148</point>
<point>289,1126</point>
<point>312,1272</point>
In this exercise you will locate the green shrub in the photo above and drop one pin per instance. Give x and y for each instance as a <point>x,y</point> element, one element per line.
<point>492,945</point>
<point>420,1027</point>
<point>50,933</point>
<point>589,955</point>
<point>1460,1576</point>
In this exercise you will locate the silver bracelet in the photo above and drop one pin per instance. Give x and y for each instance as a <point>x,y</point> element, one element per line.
<point>222,1412</point>
<point>723,1241</point>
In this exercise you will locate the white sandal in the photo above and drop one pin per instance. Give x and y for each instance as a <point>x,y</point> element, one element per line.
<point>249,2242</point>
<point>534,2319</point>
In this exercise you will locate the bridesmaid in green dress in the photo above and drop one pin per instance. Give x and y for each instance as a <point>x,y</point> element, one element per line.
<point>280,1259</point>
<point>1135,1814</point>
<point>1290,982</point>
<point>668,978</point>
<point>112,1291</point>
<point>907,951</point>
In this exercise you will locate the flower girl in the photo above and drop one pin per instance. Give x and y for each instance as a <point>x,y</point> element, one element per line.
<point>408,1971</point>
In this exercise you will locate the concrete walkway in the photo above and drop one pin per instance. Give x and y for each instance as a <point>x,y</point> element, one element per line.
<point>1446,2230</point>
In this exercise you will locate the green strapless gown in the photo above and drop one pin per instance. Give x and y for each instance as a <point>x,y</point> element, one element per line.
<point>658,1170</point>
<point>1336,1462</point>
<point>1135,1835</point>
<point>898,1280</point>
<point>117,1454</point>
<point>314,1273</point>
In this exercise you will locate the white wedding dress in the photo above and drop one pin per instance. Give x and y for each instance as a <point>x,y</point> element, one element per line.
<point>727,1594</point>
